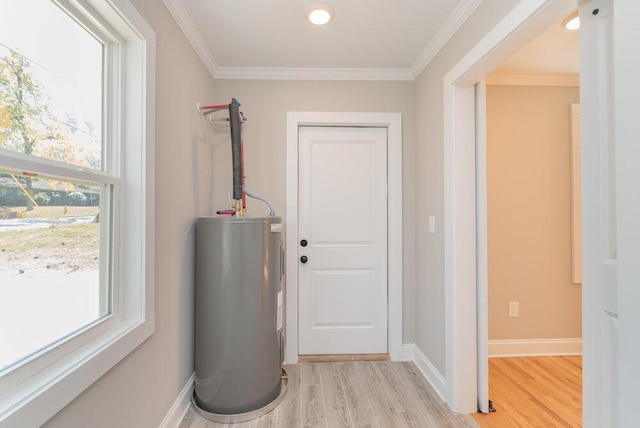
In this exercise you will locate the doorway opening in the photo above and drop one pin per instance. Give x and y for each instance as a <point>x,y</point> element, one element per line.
<point>524,23</point>
<point>533,275</point>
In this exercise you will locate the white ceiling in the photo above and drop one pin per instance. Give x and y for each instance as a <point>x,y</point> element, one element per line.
<point>367,39</point>
<point>554,52</point>
<point>393,38</point>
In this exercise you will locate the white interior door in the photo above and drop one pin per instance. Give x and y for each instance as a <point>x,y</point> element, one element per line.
<point>599,216</point>
<point>342,253</point>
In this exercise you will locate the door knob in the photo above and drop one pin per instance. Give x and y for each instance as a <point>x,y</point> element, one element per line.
<point>304,259</point>
<point>303,242</point>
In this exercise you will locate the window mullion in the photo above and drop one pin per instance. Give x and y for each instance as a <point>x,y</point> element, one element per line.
<point>20,162</point>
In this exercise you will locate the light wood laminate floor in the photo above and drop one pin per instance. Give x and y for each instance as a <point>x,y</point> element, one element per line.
<point>534,392</point>
<point>381,394</point>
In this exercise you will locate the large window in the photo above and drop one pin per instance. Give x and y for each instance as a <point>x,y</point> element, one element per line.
<point>55,224</point>
<point>76,197</point>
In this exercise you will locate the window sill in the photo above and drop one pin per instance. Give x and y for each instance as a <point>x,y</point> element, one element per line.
<point>36,400</point>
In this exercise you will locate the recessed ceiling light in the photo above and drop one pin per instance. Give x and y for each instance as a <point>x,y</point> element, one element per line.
<point>320,13</point>
<point>572,22</point>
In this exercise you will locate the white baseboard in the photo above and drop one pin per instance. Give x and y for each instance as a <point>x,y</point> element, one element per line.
<point>180,406</point>
<point>433,376</point>
<point>534,347</point>
<point>407,351</point>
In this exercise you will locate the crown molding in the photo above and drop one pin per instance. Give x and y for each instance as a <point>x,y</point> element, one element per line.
<point>177,10</point>
<point>266,73</point>
<point>451,25</point>
<point>533,79</point>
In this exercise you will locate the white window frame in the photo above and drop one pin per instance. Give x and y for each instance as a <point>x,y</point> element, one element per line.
<point>36,390</point>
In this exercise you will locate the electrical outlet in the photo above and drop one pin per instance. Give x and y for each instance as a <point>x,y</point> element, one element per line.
<point>514,309</point>
<point>432,224</point>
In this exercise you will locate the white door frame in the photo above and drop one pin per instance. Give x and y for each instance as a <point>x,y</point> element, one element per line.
<point>526,21</point>
<point>393,123</point>
<point>482,241</point>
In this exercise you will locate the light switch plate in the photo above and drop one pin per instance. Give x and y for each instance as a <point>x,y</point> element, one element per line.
<point>432,224</point>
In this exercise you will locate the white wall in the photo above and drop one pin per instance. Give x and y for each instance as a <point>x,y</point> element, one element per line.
<point>429,150</point>
<point>139,391</point>
<point>265,104</point>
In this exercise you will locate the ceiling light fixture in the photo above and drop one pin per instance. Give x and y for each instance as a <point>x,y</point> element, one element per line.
<point>572,22</point>
<point>320,13</point>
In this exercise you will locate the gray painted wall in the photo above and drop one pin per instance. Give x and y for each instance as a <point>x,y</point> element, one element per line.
<point>266,103</point>
<point>429,150</point>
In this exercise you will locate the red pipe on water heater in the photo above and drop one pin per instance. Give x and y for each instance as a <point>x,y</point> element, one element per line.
<point>213,107</point>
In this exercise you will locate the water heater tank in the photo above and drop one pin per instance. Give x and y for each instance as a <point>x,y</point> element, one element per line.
<point>238,316</point>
